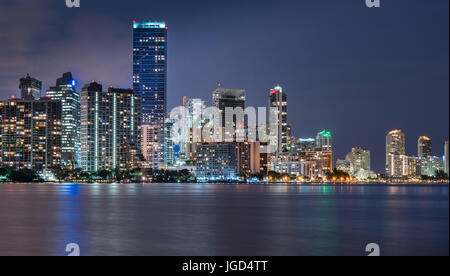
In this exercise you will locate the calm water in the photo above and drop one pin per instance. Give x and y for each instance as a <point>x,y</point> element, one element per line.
<point>194,219</point>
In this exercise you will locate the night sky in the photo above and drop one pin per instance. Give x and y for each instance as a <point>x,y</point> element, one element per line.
<point>356,71</point>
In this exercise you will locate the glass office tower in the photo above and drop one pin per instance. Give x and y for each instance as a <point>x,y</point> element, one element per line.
<point>65,92</point>
<point>150,73</point>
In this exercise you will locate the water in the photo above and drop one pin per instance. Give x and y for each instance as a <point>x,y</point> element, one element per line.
<point>197,219</point>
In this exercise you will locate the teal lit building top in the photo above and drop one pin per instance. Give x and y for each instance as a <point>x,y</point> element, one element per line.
<point>149,25</point>
<point>325,133</point>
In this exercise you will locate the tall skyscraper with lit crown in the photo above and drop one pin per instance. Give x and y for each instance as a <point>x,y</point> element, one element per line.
<point>278,101</point>
<point>150,74</point>
<point>424,147</point>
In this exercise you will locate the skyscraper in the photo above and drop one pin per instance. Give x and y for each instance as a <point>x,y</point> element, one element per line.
<point>30,134</point>
<point>110,128</point>
<point>195,109</point>
<point>223,98</point>
<point>446,158</point>
<point>324,141</point>
<point>395,148</point>
<point>150,75</point>
<point>151,145</point>
<point>65,92</point>
<point>278,101</point>
<point>424,147</point>
<point>30,88</point>
<point>170,149</point>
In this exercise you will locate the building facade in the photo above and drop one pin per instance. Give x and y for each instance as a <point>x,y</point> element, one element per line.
<point>319,162</point>
<point>278,101</point>
<point>285,164</point>
<point>228,98</point>
<point>359,159</point>
<point>446,158</point>
<point>31,134</point>
<point>429,166</point>
<point>150,78</point>
<point>403,166</point>
<point>30,88</point>
<point>216,162</point>
<point>110,128</point>
<point>151,145</point>
<point>324,141</point>
<point>171,150</point>
<point>248,159</point>
<point>424,147</point>
<point>307,144</point>
<point>194,122</point>
<point>395,149</point>
<point>65,92</point>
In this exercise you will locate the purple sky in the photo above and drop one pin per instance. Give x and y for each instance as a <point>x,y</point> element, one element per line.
<point>359,72</point>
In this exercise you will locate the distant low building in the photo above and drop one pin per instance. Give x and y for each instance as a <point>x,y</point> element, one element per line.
<point>321,162</point>
<point>216,162</point>
<point>403,166</point>
<point>285,164</point>
<point>429,166</point>
<point>344,166</point>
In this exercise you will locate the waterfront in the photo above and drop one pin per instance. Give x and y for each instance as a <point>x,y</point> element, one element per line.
<point>207,219</point>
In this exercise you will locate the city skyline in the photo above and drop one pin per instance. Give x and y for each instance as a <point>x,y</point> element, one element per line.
<point>330,98</point>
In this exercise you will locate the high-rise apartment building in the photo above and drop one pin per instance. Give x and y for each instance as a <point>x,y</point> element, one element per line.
<point>216,162</point>
<point>194,124</point>
<point>30,134</point>
<point>249,160</point>
<point>228,98</point>
<point>395,147</point>
<point>171,150</point>
<point>30,88</point>
<point>64,91</point>
<point>324,141</point>
<point>360,159</point>
<point>285,164</point>
<point>151,145</point>
<point>278,101</point>
<point>424,147</point>
<point>110,128</point>
<point>429,166</point>
<point>319,162</point>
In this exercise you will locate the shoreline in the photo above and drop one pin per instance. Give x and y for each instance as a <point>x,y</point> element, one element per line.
<point>434,183</point>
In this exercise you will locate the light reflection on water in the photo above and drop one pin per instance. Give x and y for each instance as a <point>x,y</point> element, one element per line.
<point>205,219</point>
